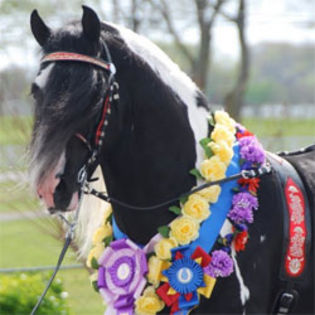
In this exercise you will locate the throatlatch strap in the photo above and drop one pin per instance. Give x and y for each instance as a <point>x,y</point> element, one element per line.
<point>297,233</point>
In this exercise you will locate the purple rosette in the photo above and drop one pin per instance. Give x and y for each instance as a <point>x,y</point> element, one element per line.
<point>121,274</point>
<point>243,205</point>
<point>251,150</point>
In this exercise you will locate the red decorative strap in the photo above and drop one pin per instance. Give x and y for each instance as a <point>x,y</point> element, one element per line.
<point>295,257</point>
<point>69,56</point>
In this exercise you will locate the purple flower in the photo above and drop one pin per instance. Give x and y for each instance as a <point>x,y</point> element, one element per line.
<point>252,150</point>
<point>243,204</point>
<point>221,264</point>
<point>240,127</point>
<point>121,275</point>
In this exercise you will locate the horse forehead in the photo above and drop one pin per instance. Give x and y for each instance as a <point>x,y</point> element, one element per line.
<point>43,75</point>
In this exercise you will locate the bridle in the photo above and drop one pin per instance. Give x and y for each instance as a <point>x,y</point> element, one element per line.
<point>111,95</point>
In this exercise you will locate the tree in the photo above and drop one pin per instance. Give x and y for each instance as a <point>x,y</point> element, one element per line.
<point>205,13</point>
<point>235,98</point>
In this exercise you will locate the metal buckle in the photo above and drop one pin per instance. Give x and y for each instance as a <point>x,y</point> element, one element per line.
<point>285,303</point>
<point>82,175</point>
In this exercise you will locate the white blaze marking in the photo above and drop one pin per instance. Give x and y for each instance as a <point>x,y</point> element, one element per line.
<point>244,291</point>
<point>41,79</point>
<point>262,238</point>
<point>175,78</point>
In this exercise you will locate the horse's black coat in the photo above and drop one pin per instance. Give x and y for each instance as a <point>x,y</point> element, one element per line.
<point>148,152</point>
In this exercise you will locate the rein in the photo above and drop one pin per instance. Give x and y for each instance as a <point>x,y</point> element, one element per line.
<point>82,176</point>
<point>246,174</point>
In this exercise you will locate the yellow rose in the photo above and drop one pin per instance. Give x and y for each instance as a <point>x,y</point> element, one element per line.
<point>164,246</point>
<point>213,169</point>
<point>102,232</point>
<point>223,118</point>
<point>222,150</point>
<point>222,133</point>
<point>211,194</point>
<point>184,229</point>
<point>95,252</point>
<point>196,207</point>
<point>149,303</point>
<point>156,266</point>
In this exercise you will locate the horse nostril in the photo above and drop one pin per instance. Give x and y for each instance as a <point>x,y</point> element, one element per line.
<point>59,175</point>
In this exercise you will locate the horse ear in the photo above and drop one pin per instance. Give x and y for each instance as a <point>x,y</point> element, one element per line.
<point>39,29</point>
<point>91,24</point>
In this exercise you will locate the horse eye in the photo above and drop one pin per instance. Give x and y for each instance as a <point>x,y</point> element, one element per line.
<point>34,89</point>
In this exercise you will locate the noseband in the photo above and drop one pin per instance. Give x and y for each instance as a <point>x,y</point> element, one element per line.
<point>111,94</point>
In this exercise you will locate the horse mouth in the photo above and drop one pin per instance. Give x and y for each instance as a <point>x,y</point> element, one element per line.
<point>73,205</point>
<point>52,190</point>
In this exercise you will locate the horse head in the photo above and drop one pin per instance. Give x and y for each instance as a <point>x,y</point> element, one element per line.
<point>69,98</point>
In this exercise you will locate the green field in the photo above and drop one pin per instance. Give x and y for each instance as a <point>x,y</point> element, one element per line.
<point>24,244</point>
<point>16,197</point>
<point>17,130</point>
<point>281,127</point>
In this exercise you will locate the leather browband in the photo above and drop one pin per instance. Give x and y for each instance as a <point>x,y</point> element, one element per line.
<point>70,56</point>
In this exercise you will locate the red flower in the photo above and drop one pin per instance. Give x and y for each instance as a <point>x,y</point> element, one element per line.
<point>253,183</point>
<point>246,133</point>
<point>240,241</point>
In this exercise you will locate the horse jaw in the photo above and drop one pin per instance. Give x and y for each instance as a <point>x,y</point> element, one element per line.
<point>47,186</point>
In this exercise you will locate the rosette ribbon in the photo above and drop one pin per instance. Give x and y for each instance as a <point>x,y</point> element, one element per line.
<point>122,268</point>
<point>186,280</point>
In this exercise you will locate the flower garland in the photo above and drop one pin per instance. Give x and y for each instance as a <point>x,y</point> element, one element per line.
<point>178,276</point>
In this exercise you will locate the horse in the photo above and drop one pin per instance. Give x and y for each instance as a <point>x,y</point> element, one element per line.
<point>151,143</point>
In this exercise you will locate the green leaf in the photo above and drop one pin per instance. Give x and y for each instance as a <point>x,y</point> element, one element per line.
<point>196,173</point>
<point>211,120</point>
<point>175,209</point>
<point>94,285</point>
<point>94,263</point>
<point>204,143</point>
<point>235,189</point>
<point>107,240</point>
<point>109,219</point>
<point>164,231</point>
<point>183,199</point>
<point>208,152</point>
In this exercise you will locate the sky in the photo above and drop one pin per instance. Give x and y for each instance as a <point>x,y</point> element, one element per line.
<point>267,20</point>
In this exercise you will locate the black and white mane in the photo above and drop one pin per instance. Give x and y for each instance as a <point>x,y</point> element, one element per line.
<point>151,144</point>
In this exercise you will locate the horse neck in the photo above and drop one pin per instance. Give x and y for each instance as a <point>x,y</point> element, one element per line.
<point>150,163</point>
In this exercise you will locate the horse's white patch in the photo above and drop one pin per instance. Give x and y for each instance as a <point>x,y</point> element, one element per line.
<point>43,75</point>
<point>244,291</point>
<point>262,238</point>
<point>91,216</point>
<point>226,228</point>
<point>171,75</point>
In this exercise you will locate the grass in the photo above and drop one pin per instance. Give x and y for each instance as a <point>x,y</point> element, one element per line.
<point>280,127</point>
<point>15,197</point>
<point>23,244</point>
<point>15,130</point>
